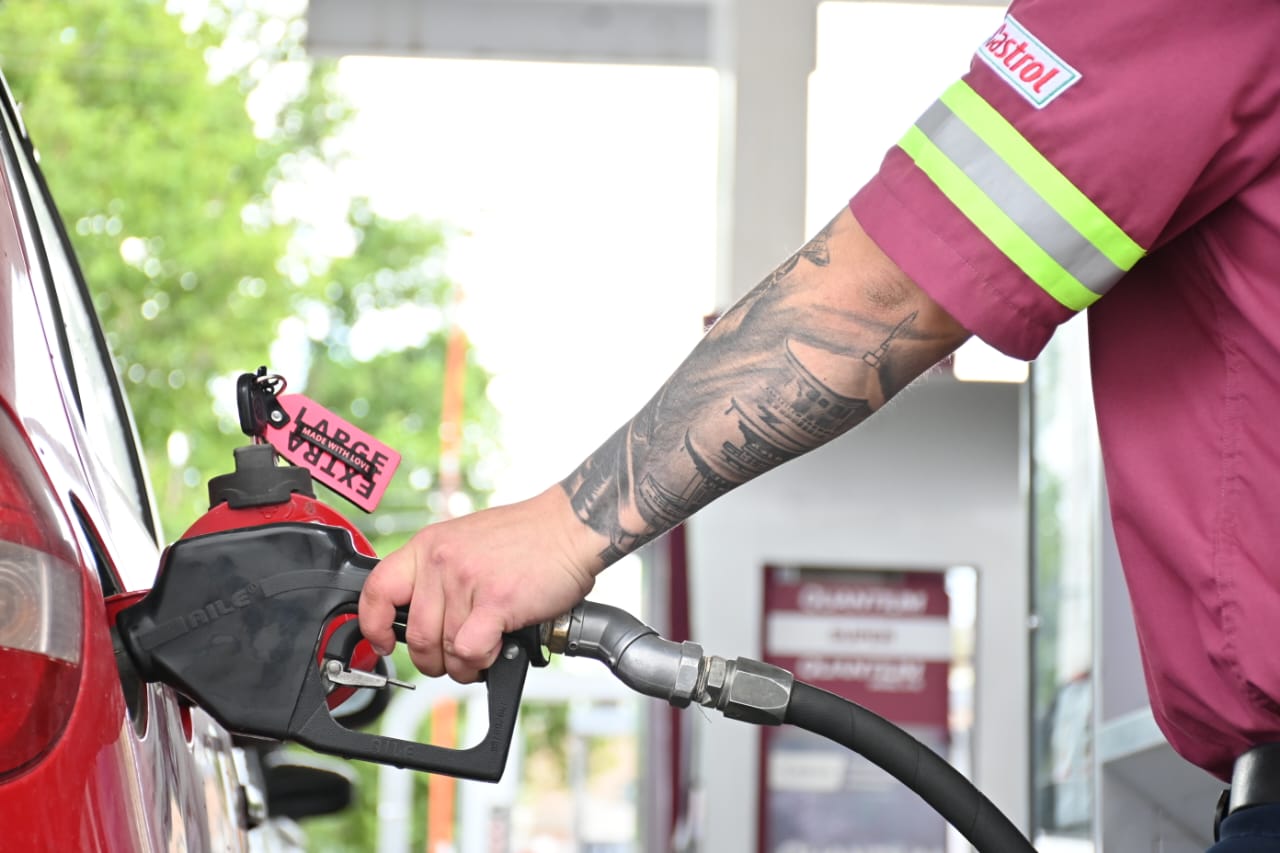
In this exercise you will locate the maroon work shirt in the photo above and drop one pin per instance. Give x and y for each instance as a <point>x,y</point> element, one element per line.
<point>1125,158</point>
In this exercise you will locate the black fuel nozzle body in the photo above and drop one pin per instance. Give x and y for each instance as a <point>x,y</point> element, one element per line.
<point>236,621</point>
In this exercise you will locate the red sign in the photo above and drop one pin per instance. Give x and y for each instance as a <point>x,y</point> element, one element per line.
<point>882,640</point>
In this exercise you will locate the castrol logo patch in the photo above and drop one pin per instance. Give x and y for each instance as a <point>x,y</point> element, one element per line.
<point>1037,73</point>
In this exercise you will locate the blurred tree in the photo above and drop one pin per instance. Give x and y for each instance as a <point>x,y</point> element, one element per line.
<point>184,144</point>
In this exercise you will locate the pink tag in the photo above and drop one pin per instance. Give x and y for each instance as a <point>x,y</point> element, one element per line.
<point>346,459</point>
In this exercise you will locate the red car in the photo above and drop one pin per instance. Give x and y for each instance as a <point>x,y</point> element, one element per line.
<point>89,762</point>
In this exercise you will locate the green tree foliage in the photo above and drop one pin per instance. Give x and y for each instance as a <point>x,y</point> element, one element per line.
<point>398,393</point>
<point>172,153</point>
<point>172,193</point>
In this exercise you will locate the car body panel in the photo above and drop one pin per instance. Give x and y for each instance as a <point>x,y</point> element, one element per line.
<point>111,782</point>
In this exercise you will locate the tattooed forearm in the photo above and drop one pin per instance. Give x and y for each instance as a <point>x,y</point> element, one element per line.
<point>782,373</point>
<point>815,252</point>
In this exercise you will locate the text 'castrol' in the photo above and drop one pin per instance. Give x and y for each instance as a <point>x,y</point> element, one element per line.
<point>1036,72</point>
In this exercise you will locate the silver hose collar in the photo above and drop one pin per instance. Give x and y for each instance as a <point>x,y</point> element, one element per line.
<point>746,689</point>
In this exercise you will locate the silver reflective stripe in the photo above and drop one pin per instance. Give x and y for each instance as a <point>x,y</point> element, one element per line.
<point>1018,200</point>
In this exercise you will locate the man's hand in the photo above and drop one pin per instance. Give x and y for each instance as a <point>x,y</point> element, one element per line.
<point>810,353</point>
<point>469,580</point>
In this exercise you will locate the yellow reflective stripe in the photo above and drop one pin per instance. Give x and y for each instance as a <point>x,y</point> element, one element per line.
<point>1043,177</point>
<point>993,222</point>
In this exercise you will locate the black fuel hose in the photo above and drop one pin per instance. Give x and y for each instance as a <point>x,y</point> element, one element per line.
<point>910,762</point>
<point>756,692</point>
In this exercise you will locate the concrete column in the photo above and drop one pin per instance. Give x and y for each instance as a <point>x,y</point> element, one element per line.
<point>765,51</point>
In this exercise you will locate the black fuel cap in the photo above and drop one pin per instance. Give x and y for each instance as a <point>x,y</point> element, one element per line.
<point>258,480</point>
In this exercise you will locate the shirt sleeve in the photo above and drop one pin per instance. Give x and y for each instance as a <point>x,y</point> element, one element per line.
<point>1084,136</point>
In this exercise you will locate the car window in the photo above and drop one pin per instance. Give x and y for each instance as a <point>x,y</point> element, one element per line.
<point>104,413</point>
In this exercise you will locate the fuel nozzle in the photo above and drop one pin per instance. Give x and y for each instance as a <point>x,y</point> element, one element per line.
<point>742,688</point>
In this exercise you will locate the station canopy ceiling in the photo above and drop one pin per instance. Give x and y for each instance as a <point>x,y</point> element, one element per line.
<point>649,32</point>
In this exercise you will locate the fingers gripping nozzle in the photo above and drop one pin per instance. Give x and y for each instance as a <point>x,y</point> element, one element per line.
<point>237,623</point>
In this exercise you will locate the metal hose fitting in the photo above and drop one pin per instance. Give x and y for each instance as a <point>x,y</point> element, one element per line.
<point>743,689</point>
<point>746,689</point>
<point>635,653</point>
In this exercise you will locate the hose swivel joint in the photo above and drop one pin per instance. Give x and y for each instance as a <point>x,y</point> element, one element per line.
<point>746,689</point>
<point>743,689</point>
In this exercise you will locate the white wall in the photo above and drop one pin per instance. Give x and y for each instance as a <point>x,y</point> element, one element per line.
<point>935,480</point>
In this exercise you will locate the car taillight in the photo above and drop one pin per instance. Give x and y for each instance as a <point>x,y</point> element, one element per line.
<point>41,607</point>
